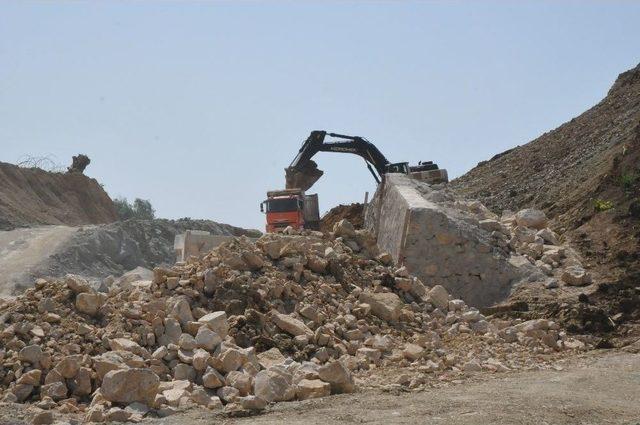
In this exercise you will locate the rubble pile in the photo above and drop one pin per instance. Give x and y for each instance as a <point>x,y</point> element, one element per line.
<point>526,240</point>
<point>291,316</point>
<point>523,238</point>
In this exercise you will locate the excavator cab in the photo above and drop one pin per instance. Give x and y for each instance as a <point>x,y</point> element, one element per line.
<point>424,166</point>
<point>398,167</point>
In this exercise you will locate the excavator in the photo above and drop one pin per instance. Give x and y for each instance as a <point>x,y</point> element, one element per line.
<point>303,172</point>
<point>292,207</point>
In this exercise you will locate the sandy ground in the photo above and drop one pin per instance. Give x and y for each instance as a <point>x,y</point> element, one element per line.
<point>26,251</point>
<point>598,388</point>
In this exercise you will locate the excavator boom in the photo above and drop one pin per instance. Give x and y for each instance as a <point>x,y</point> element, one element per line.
<point>303,172</point>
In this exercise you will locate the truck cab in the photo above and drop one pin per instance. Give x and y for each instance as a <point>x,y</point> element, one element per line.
<point>290,207</point>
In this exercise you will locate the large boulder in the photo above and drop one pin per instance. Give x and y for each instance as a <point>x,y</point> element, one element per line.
<point>32,354</point>
<point>55,390</point>
<point>336,374</point>
<point>270,358</point>
<point>77,284</point>
<point>252,402</point>
<point>253,260</point>
<point>385,305</point>
<point>231,359</point>
<point>439,297</point>
<point>30,378</point>
<point>207,339</point>
<point>549,236</point>
<point>69,366</point>
<point>532,218</point>
<point>130,385</point>
<point>413,352</point>
<point>80,385</point>
<point>109,361</point>
<point>22,391</point>
<point>182,311</point>
<point>217,322</point>
<point>212,378</point>
<point>239,380</point>
<point>312,388</point>
<point>290,324</point>
<point>90,302</point>
<point>124,344</point>
<point>344,228</point>
<point>271,247</point>
<point>576,276</point>
<point>274,384</point>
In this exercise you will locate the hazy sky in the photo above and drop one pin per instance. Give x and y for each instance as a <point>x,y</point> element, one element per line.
<point>199,106</point>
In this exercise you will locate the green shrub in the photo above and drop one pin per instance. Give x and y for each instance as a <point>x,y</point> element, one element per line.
<point>141,209</point>
<point>602,205</point>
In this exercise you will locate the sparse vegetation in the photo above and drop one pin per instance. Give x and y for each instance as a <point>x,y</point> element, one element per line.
<point>47,162</point>
<point>141,209</point>
<point>602,205</point>
<point>628,180</point>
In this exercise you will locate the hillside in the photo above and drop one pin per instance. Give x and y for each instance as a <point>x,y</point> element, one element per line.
<point>31,196</point>
<point>585,175</point>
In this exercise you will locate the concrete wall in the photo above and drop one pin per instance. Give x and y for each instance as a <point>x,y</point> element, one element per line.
<point>437,243</point>
<point>196,243</point>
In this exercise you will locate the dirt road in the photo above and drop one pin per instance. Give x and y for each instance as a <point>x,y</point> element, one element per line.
<point>600,389</point>
<point>24,252</point>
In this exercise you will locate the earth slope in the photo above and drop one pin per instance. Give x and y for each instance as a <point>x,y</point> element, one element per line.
<point>31,196</point>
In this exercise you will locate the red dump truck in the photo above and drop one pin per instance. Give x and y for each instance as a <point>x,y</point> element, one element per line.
<point>291,207</point>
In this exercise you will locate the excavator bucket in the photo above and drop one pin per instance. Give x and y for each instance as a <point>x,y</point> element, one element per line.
<point>303,178</point>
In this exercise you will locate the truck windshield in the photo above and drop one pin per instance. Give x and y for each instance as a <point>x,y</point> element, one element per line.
<point>282,205</point>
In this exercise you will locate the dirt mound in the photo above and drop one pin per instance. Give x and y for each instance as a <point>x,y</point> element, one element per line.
<point>354,213</point>
<point>585,175</point>
<point>31,196</point>
<point>291,316</point>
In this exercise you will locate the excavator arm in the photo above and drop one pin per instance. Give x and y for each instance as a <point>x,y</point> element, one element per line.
<point>303,172</point>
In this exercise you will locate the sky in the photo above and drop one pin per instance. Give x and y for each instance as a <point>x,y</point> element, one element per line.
<point>199,106</point>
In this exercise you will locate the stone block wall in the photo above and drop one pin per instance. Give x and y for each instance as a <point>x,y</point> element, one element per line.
<point>438,243</point>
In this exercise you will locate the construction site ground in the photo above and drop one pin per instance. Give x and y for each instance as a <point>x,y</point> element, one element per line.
<point>597,387</point>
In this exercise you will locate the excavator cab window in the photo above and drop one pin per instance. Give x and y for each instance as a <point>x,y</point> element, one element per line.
<point>398,167</point>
